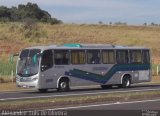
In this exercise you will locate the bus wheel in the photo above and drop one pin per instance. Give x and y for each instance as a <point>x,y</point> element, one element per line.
<point>106,86</point>
<point>63,85</point>
<point>43,90</point>
<point>126,82</point>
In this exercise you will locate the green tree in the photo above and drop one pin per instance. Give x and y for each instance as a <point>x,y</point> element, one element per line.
<point>5,13</point>
<point>28,11</point>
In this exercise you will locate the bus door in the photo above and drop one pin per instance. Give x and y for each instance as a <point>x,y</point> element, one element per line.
<point>46,75</point>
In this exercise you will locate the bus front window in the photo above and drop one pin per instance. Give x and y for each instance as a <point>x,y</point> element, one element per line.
<point>28,63</point>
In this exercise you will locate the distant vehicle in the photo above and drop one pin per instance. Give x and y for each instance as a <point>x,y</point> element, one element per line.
<point>63,66</point>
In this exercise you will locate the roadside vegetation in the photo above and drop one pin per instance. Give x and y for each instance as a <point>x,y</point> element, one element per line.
<point>20,35</point>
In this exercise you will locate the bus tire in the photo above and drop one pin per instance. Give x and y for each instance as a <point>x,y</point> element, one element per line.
<point>43,90</point>
<point>126,82</point>
<point>106,86</point>
<point>63,85</point>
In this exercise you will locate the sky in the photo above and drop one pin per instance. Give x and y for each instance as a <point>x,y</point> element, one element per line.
<point>92,11</point>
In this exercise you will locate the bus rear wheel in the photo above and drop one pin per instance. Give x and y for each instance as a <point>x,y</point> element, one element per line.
<point>126,82</point>
<point>63,85</point>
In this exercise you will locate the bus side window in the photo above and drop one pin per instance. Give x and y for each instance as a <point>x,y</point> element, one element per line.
<point>47,60</point>
<point>108,57</point>
<point>145,56</point>
<point>122,56</point>
<point>135,56</point>
<point>61,57</point>
<point>93,57</point>
<point>78,57</point>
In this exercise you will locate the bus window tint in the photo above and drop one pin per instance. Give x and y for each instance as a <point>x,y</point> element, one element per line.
<point>93,57</point>
<point>108,56</point>
<point>78,57</point>
<point>24,53</point>
<point>146,56</point>
<point>61,57</point>
<point>47,60</point>
<point>28,64</point>
<point>135,56</point>
<point>122,56</point>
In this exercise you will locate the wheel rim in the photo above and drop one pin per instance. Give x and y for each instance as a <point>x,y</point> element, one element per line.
<point>127,83</point>
<point>63,85</point>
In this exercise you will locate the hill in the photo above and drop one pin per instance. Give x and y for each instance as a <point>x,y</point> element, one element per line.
<point>15,36</point>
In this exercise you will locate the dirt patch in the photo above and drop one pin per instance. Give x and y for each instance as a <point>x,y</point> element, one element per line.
<point>156,79</point>
<point>1,80</point>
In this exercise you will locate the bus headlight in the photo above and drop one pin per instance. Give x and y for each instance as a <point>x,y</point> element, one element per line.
<point>17,79</point>
<point>34,79</point>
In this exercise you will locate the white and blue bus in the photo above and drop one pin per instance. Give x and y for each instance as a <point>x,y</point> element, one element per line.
<point>68,65</point>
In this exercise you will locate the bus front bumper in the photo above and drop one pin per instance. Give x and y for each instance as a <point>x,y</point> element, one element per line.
<point>32,83</point>
<point>26,85</point>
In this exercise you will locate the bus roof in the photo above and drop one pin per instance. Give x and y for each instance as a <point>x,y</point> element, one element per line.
<point>86,46</point>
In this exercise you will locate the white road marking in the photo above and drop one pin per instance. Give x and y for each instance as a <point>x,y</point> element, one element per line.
<point>97,105</point>
<point>65,95</point>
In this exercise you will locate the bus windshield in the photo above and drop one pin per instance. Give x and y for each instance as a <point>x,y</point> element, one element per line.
<point>28,63</point>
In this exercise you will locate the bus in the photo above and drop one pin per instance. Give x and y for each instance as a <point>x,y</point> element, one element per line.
<point>63,66</point>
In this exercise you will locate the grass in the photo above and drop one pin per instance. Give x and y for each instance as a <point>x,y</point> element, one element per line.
<point>43,103</point>
<point>13,35</point>
<point>155,79</point>
<point>8,87</point>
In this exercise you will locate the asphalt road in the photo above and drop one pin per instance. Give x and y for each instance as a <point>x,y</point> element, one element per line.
<point>132,108</point>
<point>153,104</point>
<point>74,92</point>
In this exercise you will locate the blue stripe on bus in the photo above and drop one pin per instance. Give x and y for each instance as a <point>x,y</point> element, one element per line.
<point>105,78</point>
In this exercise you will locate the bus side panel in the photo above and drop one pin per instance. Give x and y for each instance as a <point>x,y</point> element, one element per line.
<point>144,76</point>
<point>47,79</point>
<point>118,76</point>
<point>81,82</point>
<point>84,75</point>
<point>136,77</point>
<point>89,74</point>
